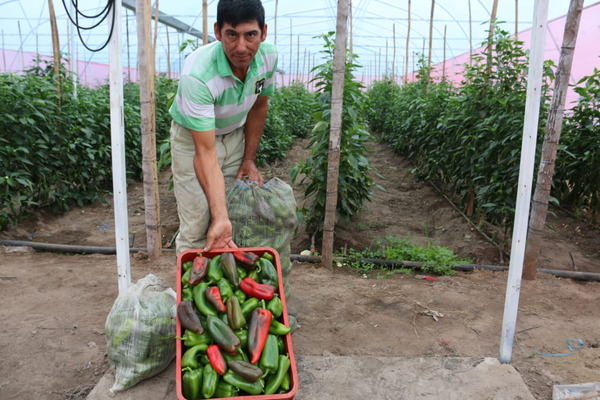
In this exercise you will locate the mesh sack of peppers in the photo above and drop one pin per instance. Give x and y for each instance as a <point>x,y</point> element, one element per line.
<point>139,332</point>
<point>264,216</point>
<point>233,344</point>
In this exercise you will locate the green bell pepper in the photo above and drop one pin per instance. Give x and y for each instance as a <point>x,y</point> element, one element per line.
<point>191,383</point>
<point>225,389</point>
<point>249,387</point>
<point>215,272</point>
<point>274,381</point>
<point>200,301</point>
<point>275,305</point>
<point>277,328</point>
<point>191,338</point>
<point>189,360</point>
<point>209,382</point>
<point>269,359</point>
<point>268,273</point>
<point>225,289</point>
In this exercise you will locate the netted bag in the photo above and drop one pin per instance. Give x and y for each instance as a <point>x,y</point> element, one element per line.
<point>264,216</point>
<point>140,332</point>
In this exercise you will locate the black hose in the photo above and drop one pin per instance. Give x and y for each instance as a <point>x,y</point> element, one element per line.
<point>68,248</point>
<point>63,248</point>
<point>586,276</point>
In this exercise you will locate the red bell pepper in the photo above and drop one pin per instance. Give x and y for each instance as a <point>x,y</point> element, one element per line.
<point>213,295</point>
<point>216,359</point>
<point>199,270</point>
<point>247,259</point>
<point>258,331</point>
<point>261,291</point>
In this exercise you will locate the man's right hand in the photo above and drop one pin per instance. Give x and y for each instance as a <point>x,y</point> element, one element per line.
<point>219,235</point>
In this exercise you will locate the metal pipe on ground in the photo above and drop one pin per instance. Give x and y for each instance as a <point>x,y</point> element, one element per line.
<point>63,248</point>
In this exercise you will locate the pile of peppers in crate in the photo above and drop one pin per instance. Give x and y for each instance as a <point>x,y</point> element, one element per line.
<point>233,344</point>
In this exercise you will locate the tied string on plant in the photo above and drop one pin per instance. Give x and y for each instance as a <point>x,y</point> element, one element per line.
<point>101,17</point>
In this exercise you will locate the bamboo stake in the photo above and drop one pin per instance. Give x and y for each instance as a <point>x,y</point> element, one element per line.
<point>430,41</point>
<point>204,22</point>
<point>304,65</point>
<point>470,35</point>
<point>155,32</point>
<point>491,37</point>
<point>385,68</point>
<point>541,197</point>
<point>351,31</point>
<point>146,60</point>
<point>378,72</point>
<point>128,47</point>
<point>276,7</point>
<point>21,47</point>
<point>407,45</point>
<point>337,96</point>
<point>168,53</point>
<point>394,57</point>
<point>291,52</point>
<point>444,62</point>
<point>3,52</point>
<point>516,20</point>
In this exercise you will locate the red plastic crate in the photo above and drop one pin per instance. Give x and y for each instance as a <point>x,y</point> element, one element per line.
<point>189,255</point>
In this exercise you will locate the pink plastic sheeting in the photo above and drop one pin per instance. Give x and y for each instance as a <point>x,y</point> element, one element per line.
<point>585,58</point>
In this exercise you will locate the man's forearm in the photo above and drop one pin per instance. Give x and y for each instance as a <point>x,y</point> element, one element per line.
<point>255,123</point>
<point>208,172</point>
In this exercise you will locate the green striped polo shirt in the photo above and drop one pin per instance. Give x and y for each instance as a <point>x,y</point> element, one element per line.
<point>211,97</point>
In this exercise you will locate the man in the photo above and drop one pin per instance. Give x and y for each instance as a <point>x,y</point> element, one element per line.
<point>218,117</point>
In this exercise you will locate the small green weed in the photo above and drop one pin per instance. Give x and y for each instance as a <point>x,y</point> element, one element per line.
<point>436,259</point>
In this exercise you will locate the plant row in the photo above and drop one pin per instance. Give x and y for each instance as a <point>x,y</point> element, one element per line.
<point>468,138</point>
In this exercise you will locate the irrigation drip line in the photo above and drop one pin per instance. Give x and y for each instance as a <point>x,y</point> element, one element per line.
<point>62,248</point>
<point>103,15</point>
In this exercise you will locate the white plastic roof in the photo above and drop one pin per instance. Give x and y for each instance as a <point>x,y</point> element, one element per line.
<point>379,30</point>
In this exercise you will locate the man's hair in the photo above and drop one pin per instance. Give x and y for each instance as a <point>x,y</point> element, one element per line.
<point>235,12</point>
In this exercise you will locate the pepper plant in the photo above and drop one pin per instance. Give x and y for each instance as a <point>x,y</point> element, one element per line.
<point>577,175</point>
<point>354,182</point>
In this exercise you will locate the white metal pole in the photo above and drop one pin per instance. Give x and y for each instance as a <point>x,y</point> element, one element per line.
<point>117,140</point>
<point>530,131</point>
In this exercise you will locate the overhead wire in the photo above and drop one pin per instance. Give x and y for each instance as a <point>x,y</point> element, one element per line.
<point>102,16</point>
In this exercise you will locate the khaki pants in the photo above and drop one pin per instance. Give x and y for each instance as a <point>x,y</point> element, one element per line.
<point>192,206</point>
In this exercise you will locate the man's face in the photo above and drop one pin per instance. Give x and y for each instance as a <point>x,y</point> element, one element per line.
<point>241,43</point>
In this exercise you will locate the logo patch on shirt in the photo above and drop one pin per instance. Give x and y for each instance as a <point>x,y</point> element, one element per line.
<point>259,86</point>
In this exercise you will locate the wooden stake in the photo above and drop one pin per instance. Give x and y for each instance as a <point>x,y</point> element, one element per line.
<point>430,41</point>
<point>146,59</point>
<point>541,197</point>
<point>337,96</point>
<point>407,46</point>
<point>55,46</point>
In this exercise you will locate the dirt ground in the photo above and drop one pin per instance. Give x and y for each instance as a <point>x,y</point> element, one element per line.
<point>54,306</point>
